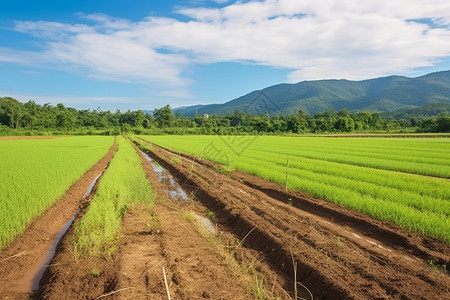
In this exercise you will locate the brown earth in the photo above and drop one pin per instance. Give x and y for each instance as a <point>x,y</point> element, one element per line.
<point>339,254</point>
<point>167,238</point>
<point>141,257</point>
<point>20,260</point>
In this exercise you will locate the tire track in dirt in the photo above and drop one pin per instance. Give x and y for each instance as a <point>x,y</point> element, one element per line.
<point>196,270</point>
<point>141,257</point>
<point>334,263</point>
<point>17,259</point>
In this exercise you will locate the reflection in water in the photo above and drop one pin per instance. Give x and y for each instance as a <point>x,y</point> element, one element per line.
<point>206,222</point>
<point>174,190</point>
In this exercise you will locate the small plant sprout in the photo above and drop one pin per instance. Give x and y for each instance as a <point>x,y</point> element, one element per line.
<point>210,215</point>
<point>175,159</point>
<point>95,272</point>
<point>436,266</point>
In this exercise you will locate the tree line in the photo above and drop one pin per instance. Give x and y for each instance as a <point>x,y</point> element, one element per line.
<point>33,118</point>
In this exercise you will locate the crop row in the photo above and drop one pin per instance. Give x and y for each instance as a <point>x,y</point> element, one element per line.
<point>345,171</point>
<point>123,184</point>
<point>36,173</point>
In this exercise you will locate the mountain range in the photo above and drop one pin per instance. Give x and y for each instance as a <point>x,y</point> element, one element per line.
<point>392,94</point>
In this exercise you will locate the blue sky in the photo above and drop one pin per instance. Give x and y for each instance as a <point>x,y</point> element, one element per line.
<point>144,54</point>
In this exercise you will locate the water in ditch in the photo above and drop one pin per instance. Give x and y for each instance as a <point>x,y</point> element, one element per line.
<point>30,282</point>
<point>175,191</point>
<point>172,188</point>
<point>209,226</point>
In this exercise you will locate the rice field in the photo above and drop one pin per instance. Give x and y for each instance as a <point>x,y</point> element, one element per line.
<point>35,173</point>
<point>399,180</point>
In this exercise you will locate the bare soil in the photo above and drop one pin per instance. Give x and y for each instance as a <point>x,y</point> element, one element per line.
<point>339,254</point>
<point>167,238</point>
<point>20,258</point>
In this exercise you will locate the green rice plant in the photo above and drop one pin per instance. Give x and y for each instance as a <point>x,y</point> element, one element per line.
<point>123,184</point>
<point>392,179</point>
<point>36,173</point>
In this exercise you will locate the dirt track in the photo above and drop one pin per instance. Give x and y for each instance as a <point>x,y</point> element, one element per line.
<point>164,236</point>
<point>340,254</point>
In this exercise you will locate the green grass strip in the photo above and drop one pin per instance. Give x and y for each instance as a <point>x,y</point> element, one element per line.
<point>123,184</point>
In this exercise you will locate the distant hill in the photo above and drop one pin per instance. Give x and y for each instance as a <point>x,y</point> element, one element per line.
<point>386,95</point>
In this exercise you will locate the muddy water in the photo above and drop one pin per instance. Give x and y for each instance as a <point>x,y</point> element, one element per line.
<point>209,226</point>
<point>30,281</point>
<point>34,274</point>
<point>173,189</point>
<point>91,186</point>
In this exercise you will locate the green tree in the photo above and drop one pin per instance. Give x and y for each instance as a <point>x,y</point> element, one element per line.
<point>443,124</point>
<point>164,116</point>
<point>139,118</point>
<point>238,118</point>
<point>376,120</point>
<point>429,125</point>
<point>12,112</point>
<point>345,124</point>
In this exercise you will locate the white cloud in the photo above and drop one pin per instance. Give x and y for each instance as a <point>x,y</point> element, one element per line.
<point>8,55</point>
<point>51,30</point>
<point>313,38</point>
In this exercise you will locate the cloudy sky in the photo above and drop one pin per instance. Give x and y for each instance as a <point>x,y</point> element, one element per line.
<point>143,54</point>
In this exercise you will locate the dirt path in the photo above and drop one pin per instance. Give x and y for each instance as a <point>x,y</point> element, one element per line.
<point>141,257</point>
<point>20,259</point>
<point>195,269</point>
<point>339,254</point>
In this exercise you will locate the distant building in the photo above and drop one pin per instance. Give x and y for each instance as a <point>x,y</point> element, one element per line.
<point>206,116</point>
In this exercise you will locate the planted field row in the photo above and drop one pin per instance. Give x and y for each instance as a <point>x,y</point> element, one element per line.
<point>36,173</point>
<point>123,184</point>
<point>347,171</point>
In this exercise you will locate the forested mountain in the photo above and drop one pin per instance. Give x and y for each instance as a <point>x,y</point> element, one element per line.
<point>386,94</point>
